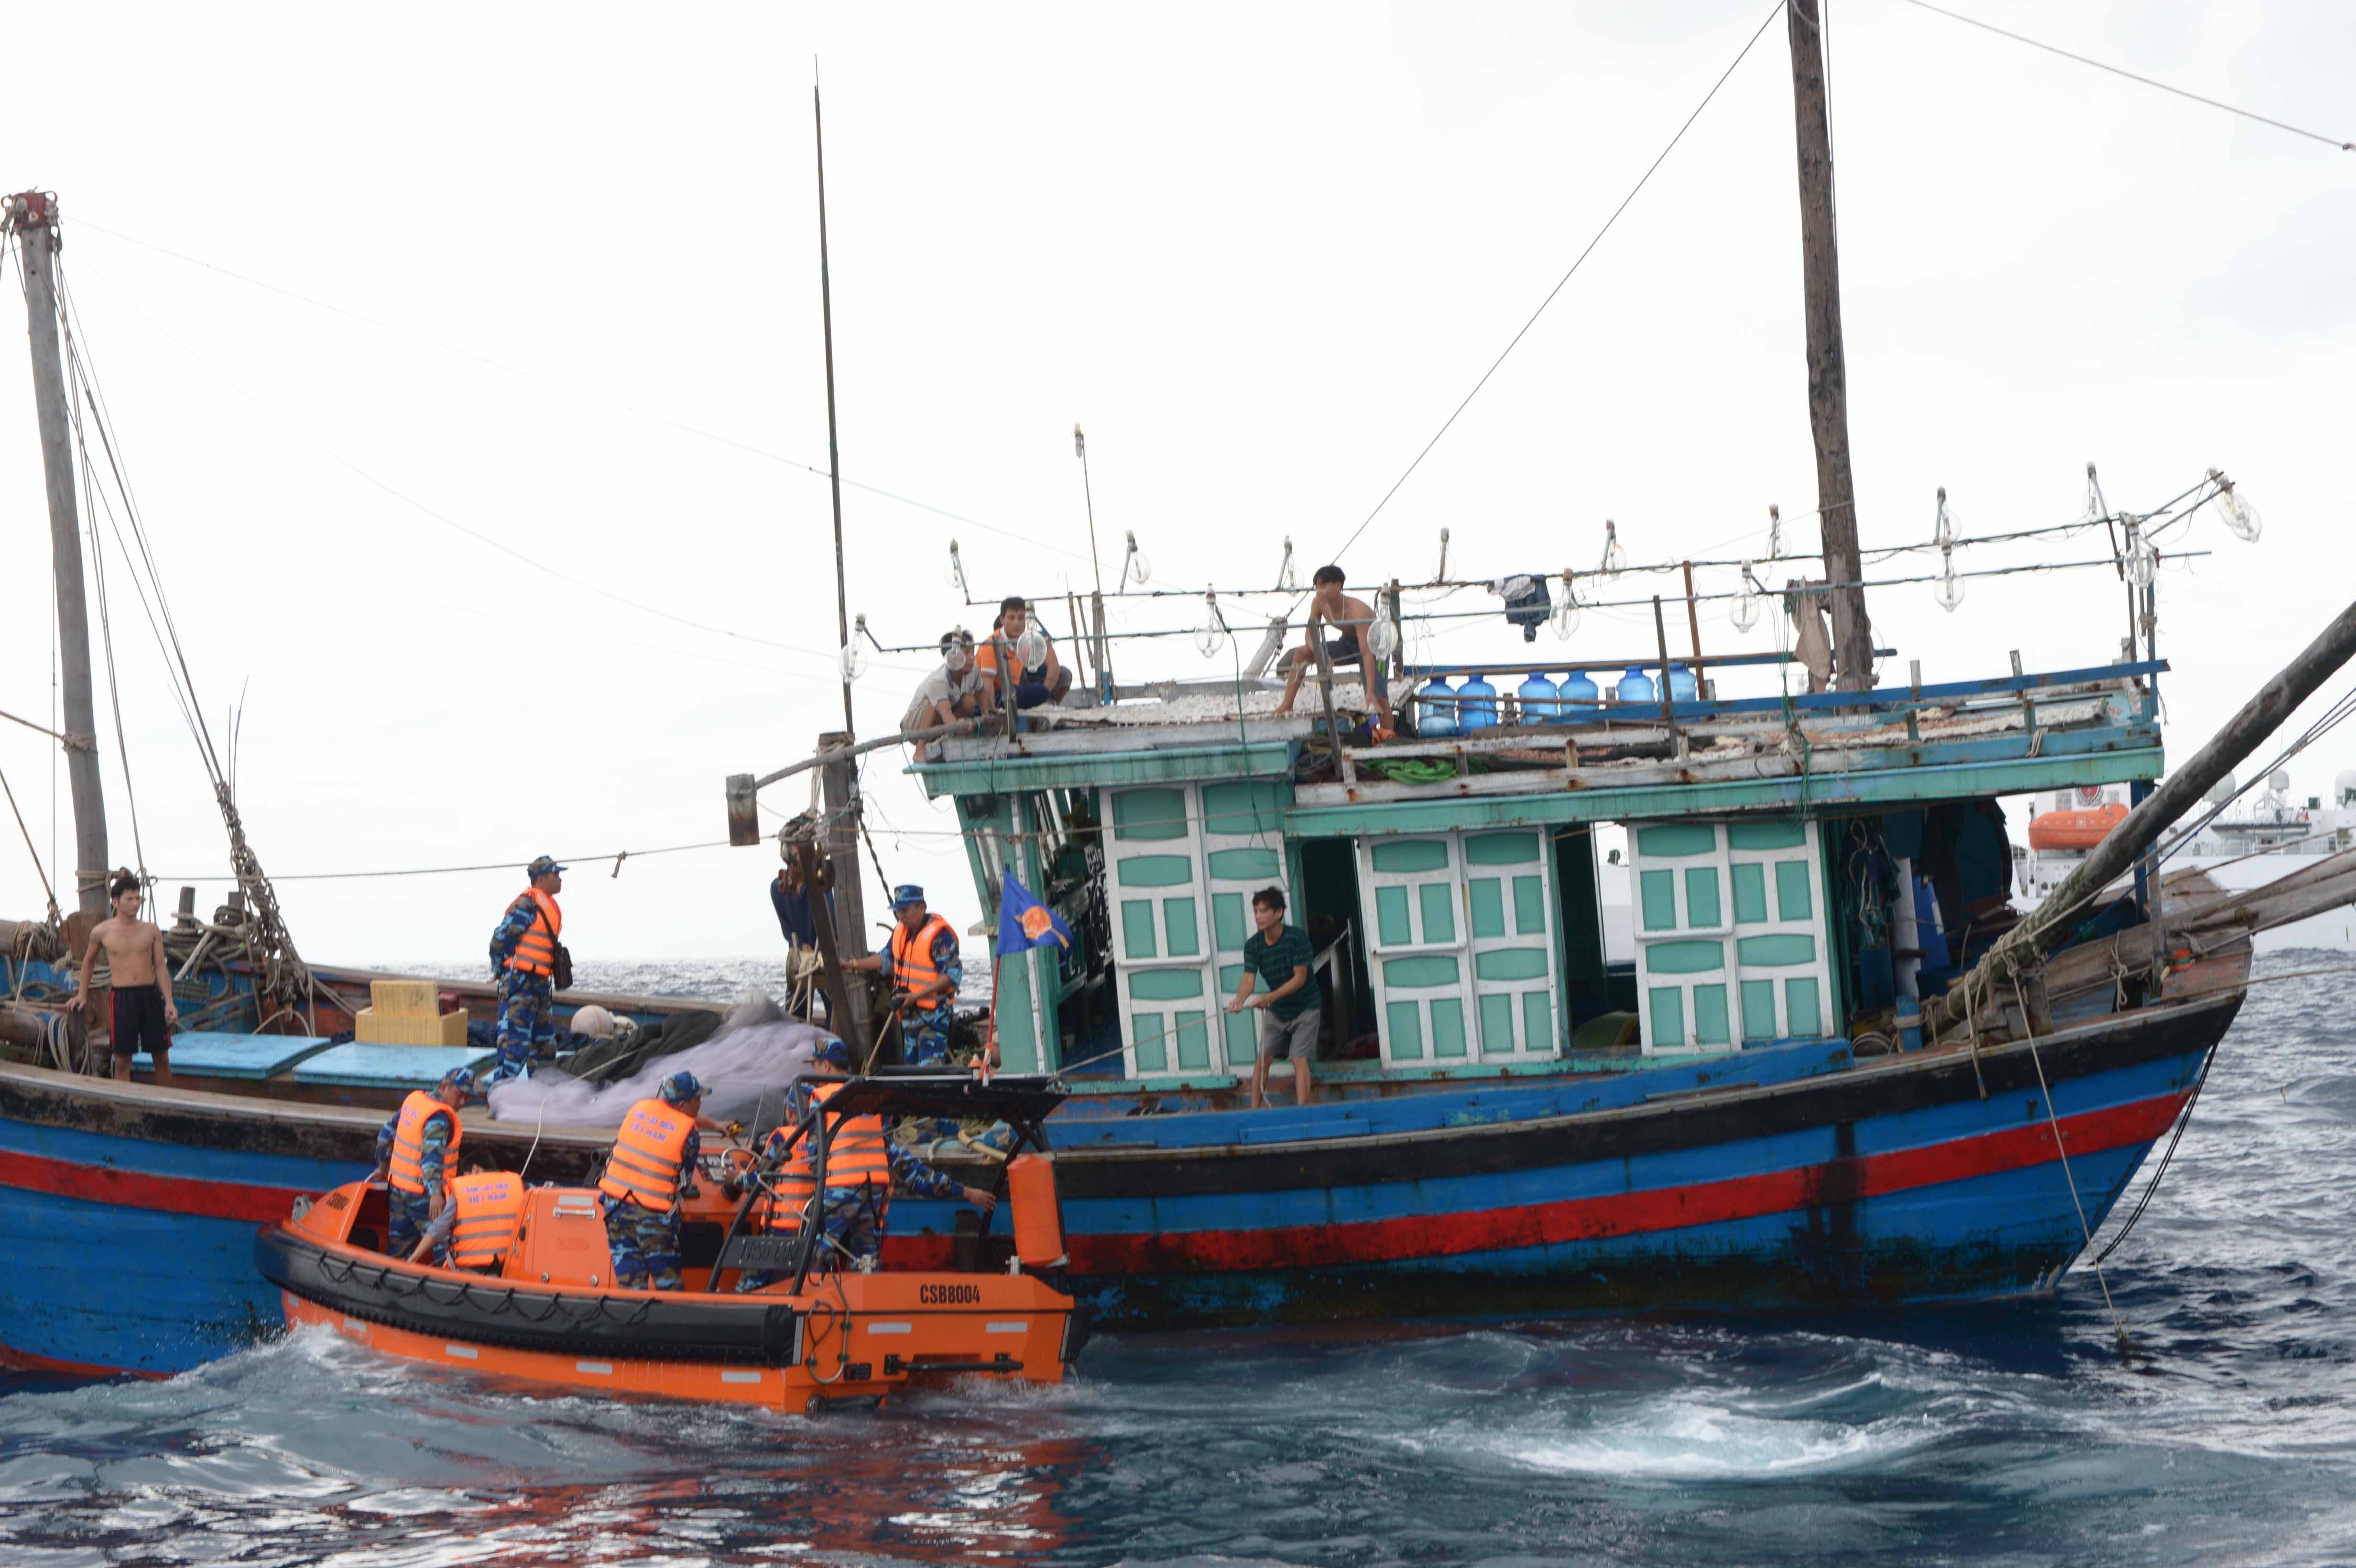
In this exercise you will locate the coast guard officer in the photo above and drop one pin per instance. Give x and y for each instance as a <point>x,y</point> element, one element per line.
<point>524,961</point>
<point>922,963</point>
<point>423,1158</point>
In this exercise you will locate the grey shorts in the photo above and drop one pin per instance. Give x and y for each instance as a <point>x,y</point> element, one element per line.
<point>1294,1037</point>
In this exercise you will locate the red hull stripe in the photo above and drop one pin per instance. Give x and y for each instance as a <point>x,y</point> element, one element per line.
<point>137,1189</point>
<point>26,1360</point>
<point>1587,1219</point>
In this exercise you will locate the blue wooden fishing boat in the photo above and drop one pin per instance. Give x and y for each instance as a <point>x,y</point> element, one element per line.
<point>1831,1067</point>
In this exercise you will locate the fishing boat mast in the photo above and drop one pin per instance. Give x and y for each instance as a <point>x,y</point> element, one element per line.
<point>32,219</point>
<point>1828,365</point>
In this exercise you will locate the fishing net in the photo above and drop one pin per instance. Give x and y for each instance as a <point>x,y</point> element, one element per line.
<point>757,1050</point>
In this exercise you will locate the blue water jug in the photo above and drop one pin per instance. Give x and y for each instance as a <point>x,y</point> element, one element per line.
<point>1635,685</point>
<point>1683,687</point>
<point>1538,695</point>
<point>1435,715</point>
<point>1476,701</point>
<point>1579,695</point>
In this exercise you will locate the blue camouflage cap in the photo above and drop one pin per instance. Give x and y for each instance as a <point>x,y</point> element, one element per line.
<point>907,893</point>
<point>681,1087</point>
<point>542,866</point>
<point>461,1077</point>
<point>834,1052</point>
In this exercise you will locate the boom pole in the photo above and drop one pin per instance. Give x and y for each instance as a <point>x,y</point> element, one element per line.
<point>32,217</point>
<point>1827,364</point>
<point>833,450</point>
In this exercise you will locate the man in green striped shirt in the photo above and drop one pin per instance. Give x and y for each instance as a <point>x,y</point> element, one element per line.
<point>1279,956</point>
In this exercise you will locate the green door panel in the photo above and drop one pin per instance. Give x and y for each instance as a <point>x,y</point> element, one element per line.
<point>1228,925</point>
<point>1149,814</point>
<point>1447,1027</point>
<point>1511,964</point>
<point>1529,906</point>
<point>1658,893</point>
<point>1783,947</point>
<point>1250,865</point>
<point>1673,838</point>
<point>1709,1016</point>
<point>1799,1014</point>
<point>1750,878</point>
<point>1155,872</point>
<point>1153,1049</point>
<point>1393,927</point>
<point>1668,1018</point>
<point>1427,969</point>
<point>1405,855</point>
<point>1501,848</point>
<point>1537,1021</point>
<point>1791,900</point>
<point>1485,899</point>
<point>1788,835</point>
<point>1180,931</point>
<point>1165,984</point>
<point>1404,1022</point>
<point>1701,897</point>
<point>1497,1026</point>
<point>1437,902</point>
<point>1686,957</point>
<point>1194,1042</point>
<point>1136,929</point>
<point>1759,1010</point>
<point>1249,806</point>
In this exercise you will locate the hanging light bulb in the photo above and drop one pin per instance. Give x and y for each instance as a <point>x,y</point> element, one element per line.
<point>1949,588</point>
<point>1775,531</point>
<point>1943,532</point>
<point>1385,636</point>
<point>1440,575</point>
<point>1615,559</point>
<point>2094,510</point>
<point>2240,516</point>
<point>855,657</point>
<point>1565,619</point>
<point>953,573</point>
<point>2142,562</point>
<point>1136,567</point>
<point>1030,647</point>
<point>959,654</point>
<point>1286,577</point>
<point>1744,610</point>
<point>1213,632</point>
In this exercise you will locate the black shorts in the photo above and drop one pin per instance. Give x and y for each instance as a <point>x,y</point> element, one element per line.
<point>135,1017</point>
<point>1342,650</point>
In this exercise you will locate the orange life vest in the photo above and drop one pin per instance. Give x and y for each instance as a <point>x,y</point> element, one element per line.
<point>645,1165</point>
<point>912,957</point>
<point>407,1171</point>
<point>490,1206</point>
<point>856,1157</point>
<point>535,950</point>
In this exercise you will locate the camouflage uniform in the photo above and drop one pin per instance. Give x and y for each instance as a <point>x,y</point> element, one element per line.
<point>645,1244</point>
<point>526,1030</point>
<point>855,1218</point>
<point>412,1211</point>
<point>924,1031</point>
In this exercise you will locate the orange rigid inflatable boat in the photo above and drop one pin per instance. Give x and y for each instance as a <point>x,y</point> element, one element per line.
<point>2075,829</point>
<point>812,1337</point>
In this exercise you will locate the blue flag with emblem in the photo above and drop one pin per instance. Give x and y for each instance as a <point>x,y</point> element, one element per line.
<point>1024,923</point>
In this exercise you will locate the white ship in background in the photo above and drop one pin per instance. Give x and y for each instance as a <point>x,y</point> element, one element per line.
<point>2240,851</point>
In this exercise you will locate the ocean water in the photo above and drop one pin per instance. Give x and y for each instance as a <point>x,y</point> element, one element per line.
<point>2007,1433</point>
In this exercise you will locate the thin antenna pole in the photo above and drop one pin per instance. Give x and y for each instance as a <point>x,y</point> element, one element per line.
<point>833,449</point>
<point>1080,445</point>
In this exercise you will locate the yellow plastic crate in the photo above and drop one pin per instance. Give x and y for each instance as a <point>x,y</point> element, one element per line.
<point>409,999</point>
<point>371,1027</point>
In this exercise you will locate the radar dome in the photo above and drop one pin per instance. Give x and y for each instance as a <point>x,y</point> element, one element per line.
<point>2280,783</point>
<point>2222,790</point>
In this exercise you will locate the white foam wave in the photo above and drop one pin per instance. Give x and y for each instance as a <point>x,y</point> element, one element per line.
<point>1687,1438</point>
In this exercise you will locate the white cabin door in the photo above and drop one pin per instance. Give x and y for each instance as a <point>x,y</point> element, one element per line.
<point>1412,890</point>
<point>1153,862</point>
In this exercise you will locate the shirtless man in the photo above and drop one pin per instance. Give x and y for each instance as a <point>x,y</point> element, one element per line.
<point>1354,617</point>
<point>140,1008</point>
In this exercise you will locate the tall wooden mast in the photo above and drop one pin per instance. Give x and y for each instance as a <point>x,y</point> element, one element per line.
<point>32,217</point>
<point>1827,366</point>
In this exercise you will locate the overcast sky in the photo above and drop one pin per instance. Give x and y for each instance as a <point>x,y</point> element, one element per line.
<point>1260,251</point>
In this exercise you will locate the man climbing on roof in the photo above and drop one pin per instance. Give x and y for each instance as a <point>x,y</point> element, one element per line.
<point>423,1158</point>
<point>1045,681</point>
<point>653,1167</point>
<point>1354,618</point>
<point>922,963</point>
<point>139,1006</point>
<point>529,965</point>
<point>863,1165</point>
